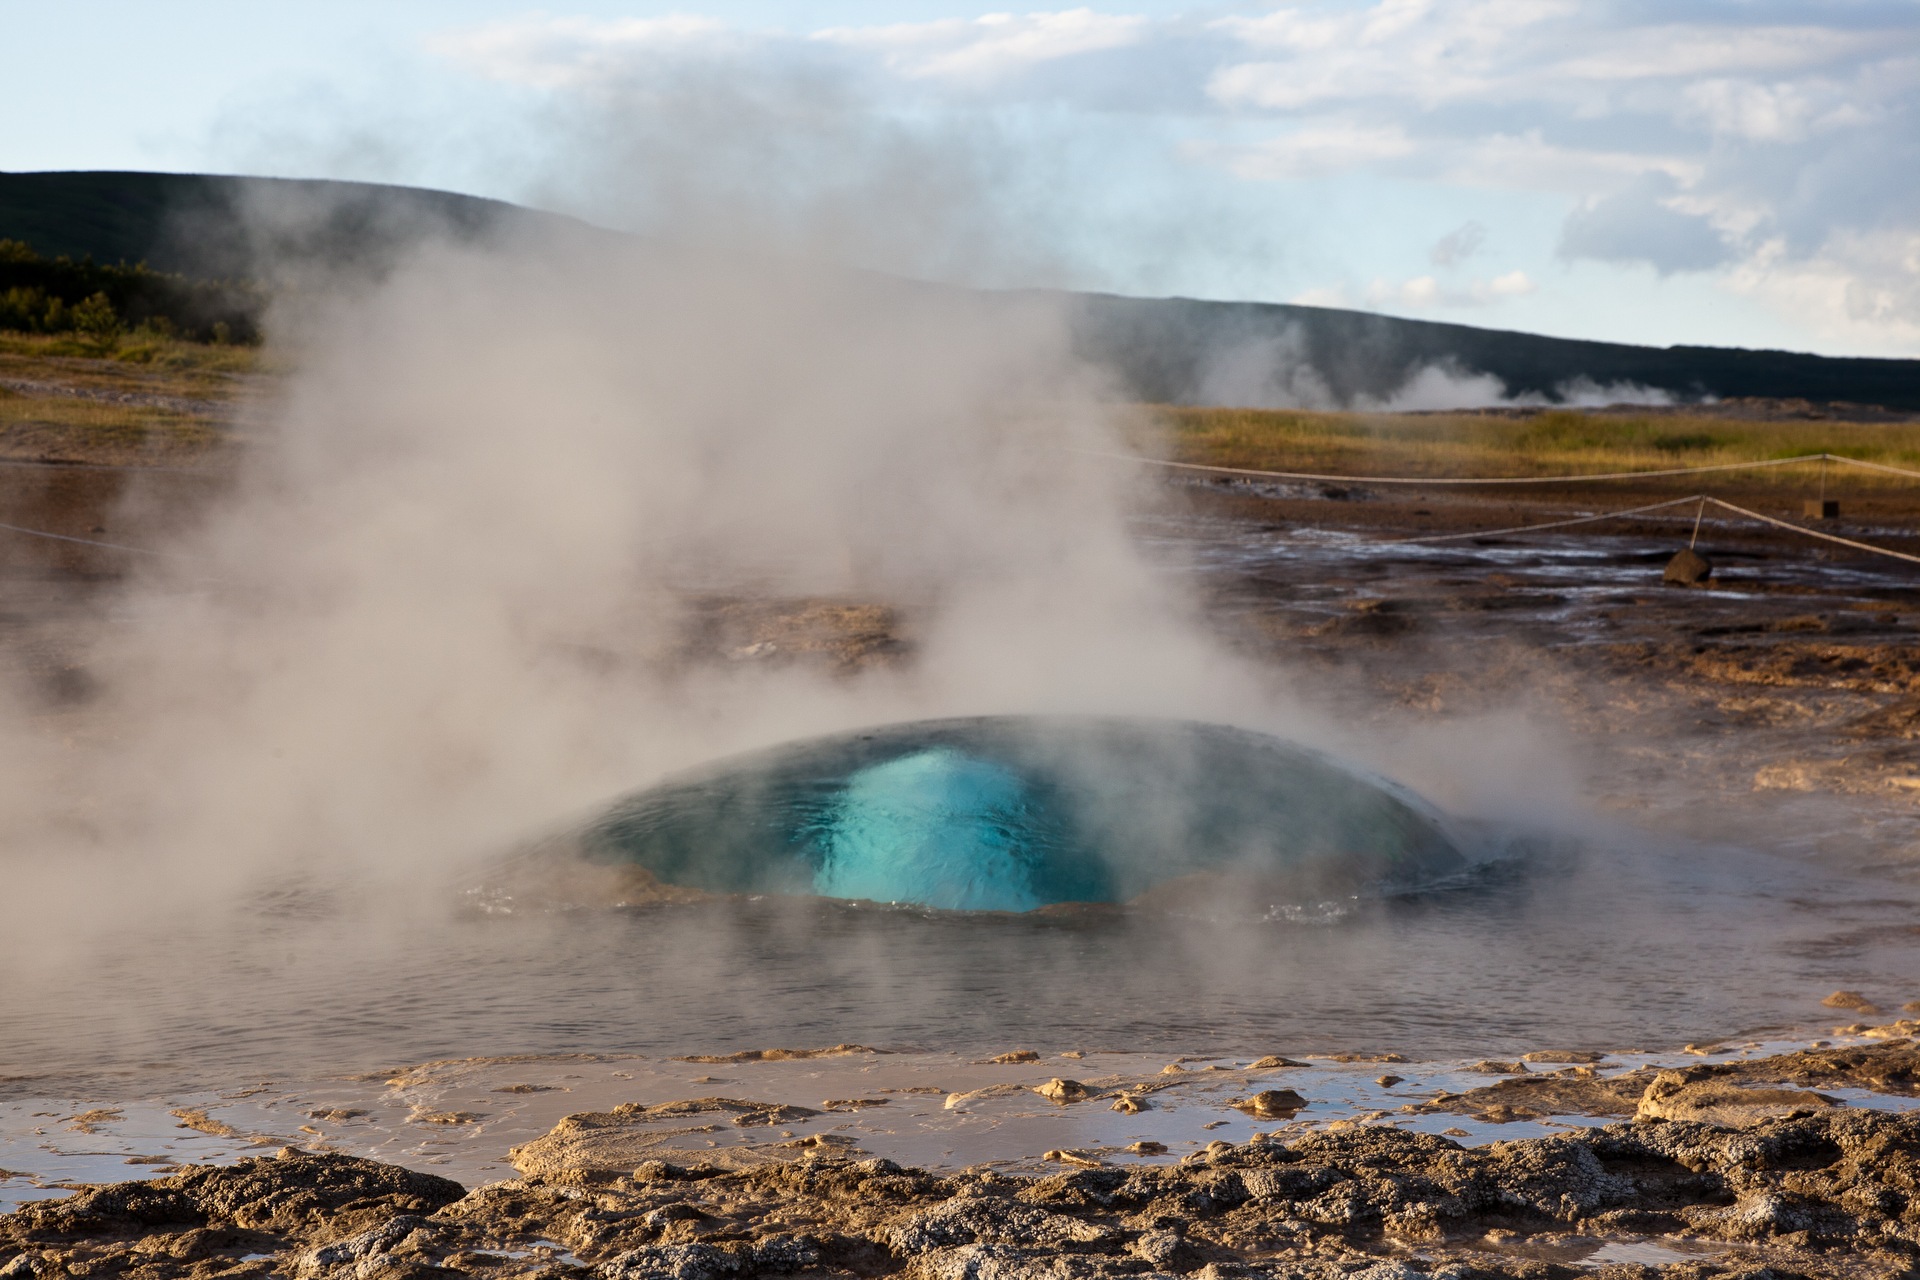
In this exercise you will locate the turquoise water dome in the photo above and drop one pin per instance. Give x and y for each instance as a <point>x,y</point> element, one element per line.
<point>1017,813</point>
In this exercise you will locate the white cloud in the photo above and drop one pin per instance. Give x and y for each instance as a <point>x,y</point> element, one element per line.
<point>1458,245</point>
<point>1779,151</point>
<point>1514,284</point>
<point>991,45</point>
<point>1330,147</point>
<point>1750,111</point>
<point>1422,293</point>
<point>1860,292</point>
<point>558,53</point>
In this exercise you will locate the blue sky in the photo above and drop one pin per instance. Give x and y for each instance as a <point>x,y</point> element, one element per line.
<point>1735,173</point>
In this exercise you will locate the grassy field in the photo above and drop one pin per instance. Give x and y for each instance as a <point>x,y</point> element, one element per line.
<point>152,402</point>
<point>1549,443</point>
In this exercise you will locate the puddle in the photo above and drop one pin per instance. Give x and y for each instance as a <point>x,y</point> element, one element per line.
<point>940,1111</point>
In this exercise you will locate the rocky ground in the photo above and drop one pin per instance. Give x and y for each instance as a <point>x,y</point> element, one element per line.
<point>1791,676</point>
<point>1725,1170</point>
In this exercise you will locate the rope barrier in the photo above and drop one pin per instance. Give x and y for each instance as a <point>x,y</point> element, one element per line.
<point>1871,466</point>
<point>1701,498</point>
<point>1815,533</point>
<point>85,542</point>
<point>1483,480</point>
<point>31,464</point>
<point>1551,524</point>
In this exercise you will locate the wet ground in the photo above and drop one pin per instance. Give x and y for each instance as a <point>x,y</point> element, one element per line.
<point>1750,775</point>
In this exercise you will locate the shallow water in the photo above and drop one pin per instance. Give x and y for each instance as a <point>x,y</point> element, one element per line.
<point>1606,938</point>
<point>1615,945</point>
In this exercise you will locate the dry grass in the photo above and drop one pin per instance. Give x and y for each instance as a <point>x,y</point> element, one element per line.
<point>1555,442</point>
<point>154,402</point>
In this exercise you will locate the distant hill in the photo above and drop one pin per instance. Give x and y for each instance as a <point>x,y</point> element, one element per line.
<point>1178,351</point>
<point>1171,350</point>
<point>198,224</point>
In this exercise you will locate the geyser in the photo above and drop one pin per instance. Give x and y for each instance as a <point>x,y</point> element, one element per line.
<point>1015,813</point>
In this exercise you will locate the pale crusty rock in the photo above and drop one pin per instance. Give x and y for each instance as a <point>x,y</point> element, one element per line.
<point>1683,1095</point>
<point>956,1101</point>
<point>782,1055</point>
<point>630,1134</point>
<point>1063,1091</point>
<point>1272,1104</point>
<point>1578,1091</point>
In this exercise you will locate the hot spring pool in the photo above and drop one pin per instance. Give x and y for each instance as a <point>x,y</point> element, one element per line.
<point>1018,813</point>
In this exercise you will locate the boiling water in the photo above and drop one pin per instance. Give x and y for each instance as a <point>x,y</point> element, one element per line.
<point>1012,813</point>
<point>1595,935</point>
<point>1615,944</point>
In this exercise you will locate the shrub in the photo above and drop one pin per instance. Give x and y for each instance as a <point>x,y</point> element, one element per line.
<point>46,294</point>
<point>95,320</point>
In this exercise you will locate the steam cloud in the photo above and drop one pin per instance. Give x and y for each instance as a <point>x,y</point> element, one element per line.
<point>442,607</point>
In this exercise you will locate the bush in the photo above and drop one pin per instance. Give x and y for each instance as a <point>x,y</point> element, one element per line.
<point>59,295</point>
<point>97,322</point>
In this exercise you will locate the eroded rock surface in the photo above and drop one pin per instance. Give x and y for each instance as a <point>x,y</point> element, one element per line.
<point>1822,1194</point>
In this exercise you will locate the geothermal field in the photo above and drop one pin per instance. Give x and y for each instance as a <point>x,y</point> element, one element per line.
<point>660,762</point>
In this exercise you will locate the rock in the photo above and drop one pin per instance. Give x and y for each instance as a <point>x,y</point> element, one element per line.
<point>361,1256</point>
<point>1541,1094</point>
<point>1689,1095</point>
<point>1130,1104</point>
<point>1062,1156</point>
<point>956,1101</point>
<point>1063,1091</point>
<point>990,1220</point>
<point>1687,569</point>
<point>1567,1056</point>
<point>782,1055</point>
<point>1163,1249</point>
<point>1387,1082</point>
<point>627,1136</point>
<point>1826,1193</point>
<point>1492,1068</point>
<point>674,1262</point>
<point>1272,1104</point>
<point>1144,1147</point>
<point>1272,1062</point>
<point>1015,1056</point>
<point>1850,1000</point>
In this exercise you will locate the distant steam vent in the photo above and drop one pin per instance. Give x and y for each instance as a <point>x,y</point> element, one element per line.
<point>1158,350</point>
<point>1015,813</point>
<point>1275,356</point>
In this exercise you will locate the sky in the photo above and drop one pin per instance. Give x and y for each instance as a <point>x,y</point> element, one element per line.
<point>1739,173</point>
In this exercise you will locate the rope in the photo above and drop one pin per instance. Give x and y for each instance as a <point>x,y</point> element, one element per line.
<point>1871,466</point>
<point>85,542</point>
<point>1466,480</point>
<point>33,464</point>
<point>1455,480</point>
<point>1552,524</point>
<point>1815,533</point>
<point>1701,498</point>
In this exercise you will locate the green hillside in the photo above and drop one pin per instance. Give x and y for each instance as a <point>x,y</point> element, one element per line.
<point>1169,350</point>
<point>195,224</point>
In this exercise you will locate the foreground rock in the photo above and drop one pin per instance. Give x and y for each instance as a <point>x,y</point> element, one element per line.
<point>1823,1194</point>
